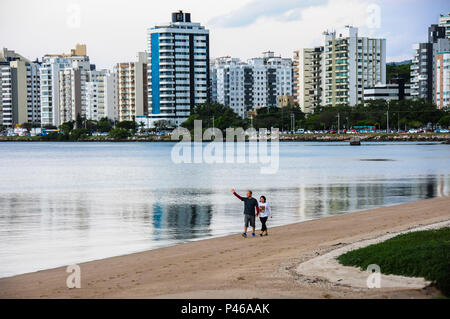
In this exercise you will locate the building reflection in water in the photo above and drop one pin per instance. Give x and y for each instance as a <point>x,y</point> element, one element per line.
<point>181,221</point>
<point>43,230</point>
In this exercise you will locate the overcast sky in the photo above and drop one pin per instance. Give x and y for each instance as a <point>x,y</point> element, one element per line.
<point>114,30</point>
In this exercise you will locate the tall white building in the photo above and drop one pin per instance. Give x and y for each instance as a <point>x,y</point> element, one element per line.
<point>229,86</point>
<point>257,83</point>
<point>309,64</point>
<point>50,69</point>
<point>272,77</point>
<point>352,63</point>
<point>178,68</point>
<point>72,91</point>
<point>19,89</point>
<point>101,95</point>
<point>132,88</point>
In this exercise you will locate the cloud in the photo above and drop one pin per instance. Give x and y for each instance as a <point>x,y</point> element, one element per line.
<point>288,10</point>
<point>284,36</point>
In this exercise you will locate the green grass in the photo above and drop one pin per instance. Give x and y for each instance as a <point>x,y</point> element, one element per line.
<point>418,254</point>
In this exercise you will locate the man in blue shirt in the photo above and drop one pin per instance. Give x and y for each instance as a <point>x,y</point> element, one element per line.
<point>250,206</point>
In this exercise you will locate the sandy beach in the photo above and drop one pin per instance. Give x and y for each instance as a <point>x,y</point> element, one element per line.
<point>234,267</point>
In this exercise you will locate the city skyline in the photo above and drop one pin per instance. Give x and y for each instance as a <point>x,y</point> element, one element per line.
<point>253,26</point>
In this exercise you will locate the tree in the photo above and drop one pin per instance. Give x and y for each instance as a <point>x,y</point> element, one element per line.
<point>223,117</point>
<point>398,71</point>
<point>104,125</point>
<point>268,117</point>
<point>119,133</point>
<point>79,133</point>
<point>66,127</point>
<point>162,125</point>
<point>445,121</point>
<point>79,121</point>
<point>91,125</point>
<point>127,125</point>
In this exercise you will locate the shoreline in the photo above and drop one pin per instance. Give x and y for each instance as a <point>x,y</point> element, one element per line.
<point>233,267</point>
<point>436,138</point>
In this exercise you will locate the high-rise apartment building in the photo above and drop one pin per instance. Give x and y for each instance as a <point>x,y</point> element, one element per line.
<point>232,84</point>
<point>295,76</point>
<point>444,21</point>
<point>442,80</point>
<point>257,83</point>
<point>422,67</point>
<point>178,68</point>
<point>19,89</point>
<point>72,91</point>
<point>132,88</point>
<point>51,68</point>
<point>101,95</point>
<point>272,77</point>
<point>351,63</point>
<point>308,78</point>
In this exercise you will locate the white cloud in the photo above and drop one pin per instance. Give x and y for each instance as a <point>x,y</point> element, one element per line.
<point>115,30</point>
<point>286,36</point>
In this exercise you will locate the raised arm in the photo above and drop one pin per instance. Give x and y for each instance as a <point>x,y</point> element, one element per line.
<point>236,194</point>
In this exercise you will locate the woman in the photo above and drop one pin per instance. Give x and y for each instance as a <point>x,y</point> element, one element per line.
<point>264,213</point>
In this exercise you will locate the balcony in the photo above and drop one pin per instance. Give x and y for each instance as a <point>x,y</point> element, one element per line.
<point>423,77</point>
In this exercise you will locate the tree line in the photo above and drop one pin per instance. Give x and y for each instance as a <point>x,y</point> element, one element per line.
<point>403,114</point>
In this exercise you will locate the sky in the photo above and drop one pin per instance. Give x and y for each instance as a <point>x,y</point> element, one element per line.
<point>114,30</point>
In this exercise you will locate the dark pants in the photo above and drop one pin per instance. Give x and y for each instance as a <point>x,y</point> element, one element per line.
<point>263,222</point>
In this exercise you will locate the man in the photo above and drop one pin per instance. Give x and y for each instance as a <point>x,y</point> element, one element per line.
<point>250,205</point>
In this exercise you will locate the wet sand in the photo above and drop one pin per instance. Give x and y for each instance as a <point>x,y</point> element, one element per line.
<point>234,267</point>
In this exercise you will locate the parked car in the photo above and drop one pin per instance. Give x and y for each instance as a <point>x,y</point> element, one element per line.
<point>413,131</point>
<point>442,130</point>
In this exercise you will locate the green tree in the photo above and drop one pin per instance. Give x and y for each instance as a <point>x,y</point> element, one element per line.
<point>128,125</point>
<point>445,121</point>
<point>119,133</point>
<point>208,112</point>
<point>79,133</point>
<point>398,71</point>
<point>79,121</point>
<point>162,125</point>
<point>268,117</point>
<point>91,125</point>
<point>66,127</point>
<point>104,125</point>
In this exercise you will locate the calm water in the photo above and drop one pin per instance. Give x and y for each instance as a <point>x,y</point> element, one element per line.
<point>65,203</point>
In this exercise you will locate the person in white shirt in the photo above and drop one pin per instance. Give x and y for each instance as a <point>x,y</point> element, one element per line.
<point>264,213</point>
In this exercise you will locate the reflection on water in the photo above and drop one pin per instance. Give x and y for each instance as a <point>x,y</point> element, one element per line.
<point>80,206</point>
<point>40,231</point>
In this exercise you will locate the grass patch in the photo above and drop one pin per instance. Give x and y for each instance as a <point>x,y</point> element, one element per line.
<point>418,254</point>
